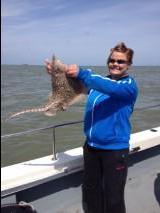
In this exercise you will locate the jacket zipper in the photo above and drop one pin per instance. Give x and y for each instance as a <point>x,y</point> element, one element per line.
<point>92,119</point>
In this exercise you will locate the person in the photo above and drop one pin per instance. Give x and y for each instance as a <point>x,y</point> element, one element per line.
<point>107,129</point>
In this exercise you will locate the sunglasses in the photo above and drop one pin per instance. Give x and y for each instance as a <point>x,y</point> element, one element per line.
<point>119,61</point>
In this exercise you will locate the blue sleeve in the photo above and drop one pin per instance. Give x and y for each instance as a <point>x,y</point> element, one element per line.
<point>125,89</point>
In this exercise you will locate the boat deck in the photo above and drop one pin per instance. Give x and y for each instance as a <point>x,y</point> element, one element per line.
<point>63,195</point>
<point>142,190</point>
<point>55,186</point>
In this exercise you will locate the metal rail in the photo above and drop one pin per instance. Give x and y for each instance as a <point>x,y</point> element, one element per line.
<point>32,131</point>
<point>147,107</point>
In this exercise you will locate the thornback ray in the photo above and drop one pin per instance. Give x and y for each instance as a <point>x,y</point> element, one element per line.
<point>66,91</point>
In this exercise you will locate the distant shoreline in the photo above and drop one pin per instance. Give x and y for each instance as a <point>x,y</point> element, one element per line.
<point>80,65</point>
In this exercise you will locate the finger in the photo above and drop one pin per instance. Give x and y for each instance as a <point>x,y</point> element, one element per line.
<point>72,70</point>
<point>64,67</point>
<point>48,66</point>
<point>47,61</point>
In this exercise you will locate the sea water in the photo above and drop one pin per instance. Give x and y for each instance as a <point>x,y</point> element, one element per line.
<point>27,86</point>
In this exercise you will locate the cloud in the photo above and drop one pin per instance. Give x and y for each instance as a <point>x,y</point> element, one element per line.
<point>15,8</point>
<point>76,30</point>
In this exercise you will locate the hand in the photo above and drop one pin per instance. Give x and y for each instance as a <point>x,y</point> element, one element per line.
<point>72,70</point>
<point>48,66</point>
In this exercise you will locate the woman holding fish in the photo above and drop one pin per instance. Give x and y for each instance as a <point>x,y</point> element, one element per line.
<point>107,128</point>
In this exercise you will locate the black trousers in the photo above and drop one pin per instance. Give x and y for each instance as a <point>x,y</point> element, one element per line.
<point>105,173</point>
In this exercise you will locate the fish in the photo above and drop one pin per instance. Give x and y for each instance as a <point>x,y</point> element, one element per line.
<point>66,91</point>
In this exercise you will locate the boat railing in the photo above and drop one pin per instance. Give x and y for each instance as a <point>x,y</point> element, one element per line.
<point>54,127</point>
<point>32,131</point>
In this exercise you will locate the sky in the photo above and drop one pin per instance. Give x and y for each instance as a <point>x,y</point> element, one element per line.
<point>79,31</point>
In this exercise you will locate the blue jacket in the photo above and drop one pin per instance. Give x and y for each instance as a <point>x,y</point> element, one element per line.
<point>108,109</point>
